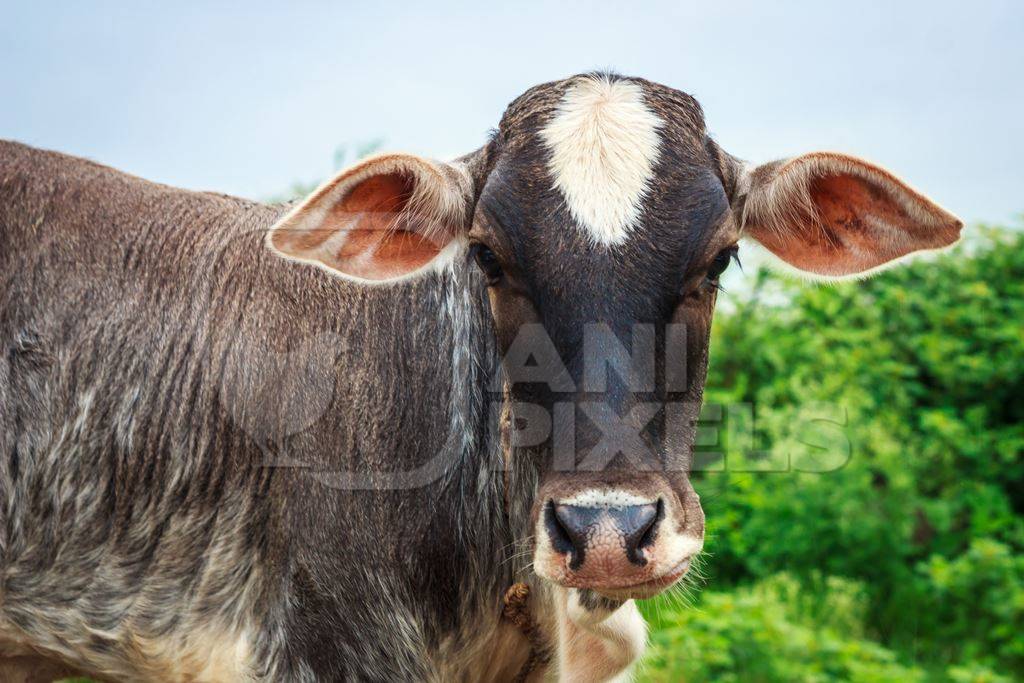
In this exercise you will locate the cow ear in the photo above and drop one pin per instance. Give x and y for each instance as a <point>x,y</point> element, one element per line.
<point>385,219</point>
<point>836,215</point>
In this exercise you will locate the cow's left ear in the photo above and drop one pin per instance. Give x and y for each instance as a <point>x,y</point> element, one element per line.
<point>385,219</point>
<point>836,215</point>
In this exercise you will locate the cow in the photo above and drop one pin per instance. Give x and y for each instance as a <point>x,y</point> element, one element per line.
<point>432,422</point>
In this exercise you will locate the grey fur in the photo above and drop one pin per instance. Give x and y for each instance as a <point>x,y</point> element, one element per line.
<point>156,479</point>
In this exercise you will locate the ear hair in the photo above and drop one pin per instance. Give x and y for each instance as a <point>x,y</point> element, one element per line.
<point>785,190</point>
<point>835,215</point>
<point>428,199</point>
<point>432,196</point>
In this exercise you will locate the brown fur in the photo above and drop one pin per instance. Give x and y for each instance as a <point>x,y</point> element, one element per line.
<point>225,455</point>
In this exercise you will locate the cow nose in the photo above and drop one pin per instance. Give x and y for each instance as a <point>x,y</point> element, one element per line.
<point>574,529</point>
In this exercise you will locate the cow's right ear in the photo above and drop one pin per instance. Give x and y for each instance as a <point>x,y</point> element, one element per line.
<point>385,219</point>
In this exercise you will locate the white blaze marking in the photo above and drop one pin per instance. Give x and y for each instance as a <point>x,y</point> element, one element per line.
<point>604,144</point>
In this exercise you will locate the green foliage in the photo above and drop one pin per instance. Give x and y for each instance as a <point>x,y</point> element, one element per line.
<point>909,486</point>
<point>772,631</point>
<point>978,604</point>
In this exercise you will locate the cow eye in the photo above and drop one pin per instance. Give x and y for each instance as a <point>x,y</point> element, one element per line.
<point>721,263</point>
<point>487,262</point>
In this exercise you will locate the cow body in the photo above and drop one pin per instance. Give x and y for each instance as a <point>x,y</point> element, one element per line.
<point>320,442</point>
<point>151,523</point>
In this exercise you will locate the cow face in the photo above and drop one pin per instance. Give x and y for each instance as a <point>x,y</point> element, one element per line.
<point>601,216</point>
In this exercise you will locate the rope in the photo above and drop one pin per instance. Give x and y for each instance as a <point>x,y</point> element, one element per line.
<point>517,611</point>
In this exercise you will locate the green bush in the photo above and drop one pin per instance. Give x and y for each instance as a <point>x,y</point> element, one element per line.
<point>771,631</point>
<point>977,603</point>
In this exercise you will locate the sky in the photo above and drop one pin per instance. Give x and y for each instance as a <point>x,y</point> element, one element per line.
<point>249,98</point>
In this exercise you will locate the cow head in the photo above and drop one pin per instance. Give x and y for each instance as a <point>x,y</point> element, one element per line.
<point>601,216</point>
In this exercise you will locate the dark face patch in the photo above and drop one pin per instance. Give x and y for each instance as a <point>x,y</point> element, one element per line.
<point>555,274</point>
<point>634,290</point>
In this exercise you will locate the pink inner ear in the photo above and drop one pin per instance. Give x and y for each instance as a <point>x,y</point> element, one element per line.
<point>872,226</point>
<point>858,222</point>
<point>821,243</point>
<point>850,211</point>
<point>371,233</point>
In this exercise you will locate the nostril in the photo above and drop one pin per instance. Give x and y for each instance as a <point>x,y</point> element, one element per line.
<point>559,535</point>
<point>651,531</point>
<point>639,527</point>
<point>567,526</point>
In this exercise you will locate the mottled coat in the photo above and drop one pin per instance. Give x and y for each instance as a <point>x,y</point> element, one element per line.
<point>245,442</point>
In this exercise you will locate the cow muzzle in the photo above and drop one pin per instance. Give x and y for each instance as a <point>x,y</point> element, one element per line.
<point>615,543</point>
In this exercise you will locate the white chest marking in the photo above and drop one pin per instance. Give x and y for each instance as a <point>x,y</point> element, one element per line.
<point>604,143</point>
